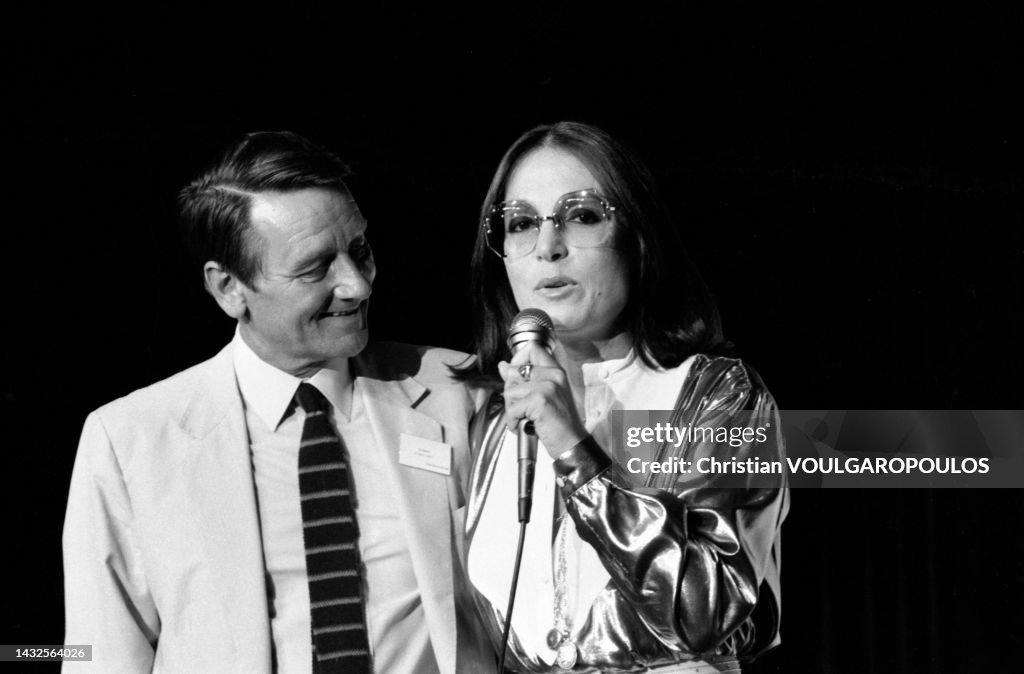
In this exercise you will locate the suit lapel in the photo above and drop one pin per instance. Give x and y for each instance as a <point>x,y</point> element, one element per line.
<point>422,497</point>
<point>225,503</point>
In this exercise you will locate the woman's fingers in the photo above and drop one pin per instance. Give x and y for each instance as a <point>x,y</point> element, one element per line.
<point>533,353</point>
<point>544,398</point>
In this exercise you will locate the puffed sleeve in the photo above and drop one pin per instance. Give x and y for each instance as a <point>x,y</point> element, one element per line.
<point>107,600</point>
<point>696,559</point>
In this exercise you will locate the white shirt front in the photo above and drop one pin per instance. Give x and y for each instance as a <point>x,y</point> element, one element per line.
<point>398,633</point>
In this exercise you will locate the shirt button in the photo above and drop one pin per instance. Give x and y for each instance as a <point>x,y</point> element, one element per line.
<point>604,373</point>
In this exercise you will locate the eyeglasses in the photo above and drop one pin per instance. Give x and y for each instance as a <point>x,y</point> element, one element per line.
<point>583,217</point>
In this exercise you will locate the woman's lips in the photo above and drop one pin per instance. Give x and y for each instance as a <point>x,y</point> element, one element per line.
<point>556,287</point>
<point>554,282</point>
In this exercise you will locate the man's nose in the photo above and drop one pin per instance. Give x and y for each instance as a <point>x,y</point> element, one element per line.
<point>550,241</point>
<point>352,281</point>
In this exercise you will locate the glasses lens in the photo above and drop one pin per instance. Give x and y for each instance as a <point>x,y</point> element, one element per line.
<point>586,220</point>
<point>513,229</point>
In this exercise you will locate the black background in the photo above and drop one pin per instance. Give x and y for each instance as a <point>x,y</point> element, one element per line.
<point>848,181</point>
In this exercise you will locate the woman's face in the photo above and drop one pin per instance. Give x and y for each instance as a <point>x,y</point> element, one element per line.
<point>584,290</point>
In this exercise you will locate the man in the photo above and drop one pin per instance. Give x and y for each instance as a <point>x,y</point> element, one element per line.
<point>295,503</point>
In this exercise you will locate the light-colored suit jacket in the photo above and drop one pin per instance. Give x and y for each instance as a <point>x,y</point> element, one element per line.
<point>163,561</point>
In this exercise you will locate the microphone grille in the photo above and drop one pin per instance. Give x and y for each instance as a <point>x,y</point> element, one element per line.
<point>532,319</point>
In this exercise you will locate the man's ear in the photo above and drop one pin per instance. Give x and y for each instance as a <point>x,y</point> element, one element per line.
<point>226,288</point>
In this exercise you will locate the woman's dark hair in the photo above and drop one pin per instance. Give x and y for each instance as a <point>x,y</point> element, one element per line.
<point>671,314</point>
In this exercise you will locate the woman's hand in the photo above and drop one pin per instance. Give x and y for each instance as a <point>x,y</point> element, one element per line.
<point>545,399</point>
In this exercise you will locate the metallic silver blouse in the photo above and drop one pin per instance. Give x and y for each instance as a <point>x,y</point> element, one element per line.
<point>694,567</point>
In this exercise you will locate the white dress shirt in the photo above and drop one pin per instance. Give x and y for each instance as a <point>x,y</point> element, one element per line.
<point>397,628</point>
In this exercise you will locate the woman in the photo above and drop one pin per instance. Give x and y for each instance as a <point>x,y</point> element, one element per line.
<point>621,572</point>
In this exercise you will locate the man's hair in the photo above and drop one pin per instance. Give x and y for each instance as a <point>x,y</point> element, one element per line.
<point>214,209</point>
<point>670,314</point>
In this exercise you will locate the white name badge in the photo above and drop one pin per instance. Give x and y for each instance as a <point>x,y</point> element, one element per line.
<point>426,454</point>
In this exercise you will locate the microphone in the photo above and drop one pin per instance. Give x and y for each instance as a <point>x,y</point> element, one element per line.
<point>530,326</point>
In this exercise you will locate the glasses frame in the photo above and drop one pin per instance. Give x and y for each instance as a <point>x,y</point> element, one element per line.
<point>609,211</point>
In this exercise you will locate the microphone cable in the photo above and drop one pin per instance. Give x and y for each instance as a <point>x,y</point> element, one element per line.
<point>512,597</point>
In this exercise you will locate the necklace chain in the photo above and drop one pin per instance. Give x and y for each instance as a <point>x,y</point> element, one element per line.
<point>561,607</point>
<point>566,654</point>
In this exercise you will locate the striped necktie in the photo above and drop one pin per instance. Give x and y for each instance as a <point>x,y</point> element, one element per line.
<point>333,565</point>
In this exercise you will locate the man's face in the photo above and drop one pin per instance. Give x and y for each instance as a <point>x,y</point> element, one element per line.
<point>308,304</point>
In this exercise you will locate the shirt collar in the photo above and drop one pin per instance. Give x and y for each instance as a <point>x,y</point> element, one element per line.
<point>602,372</point>
<point>269,391</point>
